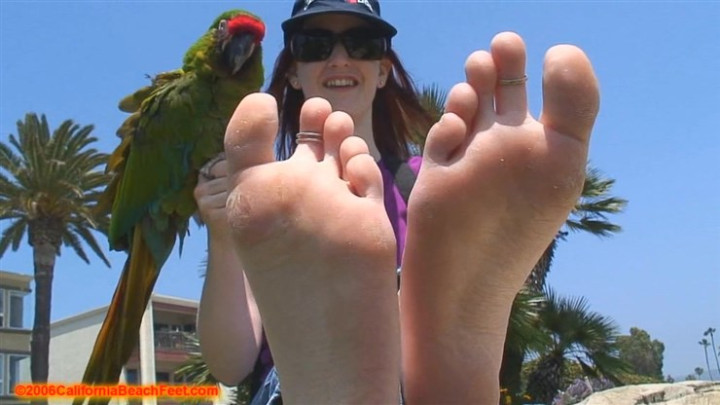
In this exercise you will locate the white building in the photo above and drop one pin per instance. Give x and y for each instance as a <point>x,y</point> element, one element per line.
<point>14,335</point>
<point>162,344</point>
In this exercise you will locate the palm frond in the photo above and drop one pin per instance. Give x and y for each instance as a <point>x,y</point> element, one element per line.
<point>90,240</point>
<point>595,205</point>
<point>52,179</point>
<point>578,333</point>
<point>12,236</point>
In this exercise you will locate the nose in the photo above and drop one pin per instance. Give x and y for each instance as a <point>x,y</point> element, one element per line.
<point>339,56</point>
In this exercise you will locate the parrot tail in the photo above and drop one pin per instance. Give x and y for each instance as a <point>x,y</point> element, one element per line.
<point>118,335</point>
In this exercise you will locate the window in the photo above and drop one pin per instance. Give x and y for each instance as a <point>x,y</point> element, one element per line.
<point>2,310</point>
<point>16,310</point>
<point>162,377</point>
<point>14,371</point>
<point>2,373</point>
<point>131,376</point>
<point>11,309</point>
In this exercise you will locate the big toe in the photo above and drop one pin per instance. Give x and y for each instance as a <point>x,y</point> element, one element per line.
<point>571,96</point>
<point>250,134</point>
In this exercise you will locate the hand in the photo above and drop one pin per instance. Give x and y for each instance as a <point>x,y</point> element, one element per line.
<point>211,194</point>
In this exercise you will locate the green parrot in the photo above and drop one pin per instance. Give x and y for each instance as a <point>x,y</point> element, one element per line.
<point>177,124</point>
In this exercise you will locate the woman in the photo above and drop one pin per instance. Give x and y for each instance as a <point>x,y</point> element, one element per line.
<point>313,231</point>
<point>374,90</point>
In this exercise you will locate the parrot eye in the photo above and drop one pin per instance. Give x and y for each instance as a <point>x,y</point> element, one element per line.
<point>223,27</point>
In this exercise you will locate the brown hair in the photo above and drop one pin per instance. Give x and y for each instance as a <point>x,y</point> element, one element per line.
<point>398,118</point>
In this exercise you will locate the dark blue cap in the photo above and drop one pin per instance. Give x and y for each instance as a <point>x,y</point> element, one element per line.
<point>368,10</point>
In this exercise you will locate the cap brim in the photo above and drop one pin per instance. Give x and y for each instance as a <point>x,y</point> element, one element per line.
<point>293,24</point>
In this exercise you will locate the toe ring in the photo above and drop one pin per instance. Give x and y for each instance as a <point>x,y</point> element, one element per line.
<point>513,82</point>
<point>308,136</point>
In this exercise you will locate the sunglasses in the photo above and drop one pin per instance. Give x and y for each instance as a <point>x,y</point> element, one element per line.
<point>317,45</point>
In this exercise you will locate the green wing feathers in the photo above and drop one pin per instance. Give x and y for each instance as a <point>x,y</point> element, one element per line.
<point>176,124</point>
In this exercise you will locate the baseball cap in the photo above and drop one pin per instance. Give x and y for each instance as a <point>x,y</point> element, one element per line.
<point>369,10</point>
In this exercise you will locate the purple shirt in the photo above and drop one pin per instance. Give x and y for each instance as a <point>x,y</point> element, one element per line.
<point>396,209</point>
<point>395,206</point>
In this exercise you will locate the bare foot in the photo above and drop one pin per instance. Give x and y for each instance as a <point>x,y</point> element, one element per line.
<point>494,188</point>
<point>319,253</point>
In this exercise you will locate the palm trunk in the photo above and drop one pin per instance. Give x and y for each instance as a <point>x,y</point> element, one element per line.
<point>707,361</point>
<point>717,362</point>
<point>538,275</point>
<point>510,372</point>
<point>546,380</point>
<point>45,244</point>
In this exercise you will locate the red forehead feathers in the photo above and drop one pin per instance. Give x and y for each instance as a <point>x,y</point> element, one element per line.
<point>247,23</point>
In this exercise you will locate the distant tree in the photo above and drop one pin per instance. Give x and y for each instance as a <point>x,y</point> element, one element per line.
<point>711,332</point>
<point>576,334</point>
<point>704,343</point>
<point>523,336</point>
<point>669,379</point>
<point>699,371</point>
<point>196,372</point>
<point>690,377</point>
<point>49,184</point>
<point>644,355</point>
<point>590,215</point>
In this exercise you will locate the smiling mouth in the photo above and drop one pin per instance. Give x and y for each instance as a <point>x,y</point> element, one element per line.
<point>340,83</point>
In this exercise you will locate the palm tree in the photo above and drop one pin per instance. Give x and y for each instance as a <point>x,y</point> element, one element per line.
<point>711,331</point>
<point>589,215</point>
<point>576,334</point>
<point>49,188</point>
<point>704,343</point>
<point>522,336</point>
<point>699,371</point>
<point>196,371</point>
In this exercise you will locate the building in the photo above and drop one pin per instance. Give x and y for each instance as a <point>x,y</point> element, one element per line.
<point>162,344</point>
<point>14,335</point>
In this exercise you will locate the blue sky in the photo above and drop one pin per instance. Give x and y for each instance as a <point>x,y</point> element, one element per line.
<point>657,133</point>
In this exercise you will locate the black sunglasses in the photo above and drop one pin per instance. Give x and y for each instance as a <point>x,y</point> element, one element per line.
<point>317,44</point>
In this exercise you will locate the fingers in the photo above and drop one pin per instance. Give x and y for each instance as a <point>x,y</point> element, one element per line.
<point>214,169</point>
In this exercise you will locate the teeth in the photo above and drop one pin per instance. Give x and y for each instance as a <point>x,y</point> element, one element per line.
<point>340,83</point>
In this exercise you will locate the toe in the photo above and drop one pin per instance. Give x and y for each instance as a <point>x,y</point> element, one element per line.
<point>463,102</point>
<point>480,74</point>
<point>250,134</point>
<point>313,114</point>
<point>508,53</point>
<point>445,139</point>
<point>363,176</point>
<point>338,127</point>
<point>350,148</point>
<point>570,92</point>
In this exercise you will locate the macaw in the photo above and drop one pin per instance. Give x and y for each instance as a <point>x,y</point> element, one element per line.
<point>177,124</point>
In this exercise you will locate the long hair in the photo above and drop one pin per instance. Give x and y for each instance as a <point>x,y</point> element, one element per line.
<point>397,115</point>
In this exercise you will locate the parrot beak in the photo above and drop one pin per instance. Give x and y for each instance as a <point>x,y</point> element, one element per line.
<point>238,49</point>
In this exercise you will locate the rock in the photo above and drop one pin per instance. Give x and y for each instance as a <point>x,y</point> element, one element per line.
<point>681,393</point>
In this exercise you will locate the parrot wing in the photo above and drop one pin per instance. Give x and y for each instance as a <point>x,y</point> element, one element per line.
<point>152,199</point>
<point>177,123</point>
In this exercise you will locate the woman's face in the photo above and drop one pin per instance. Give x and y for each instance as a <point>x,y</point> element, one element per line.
<point>348,84</point>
